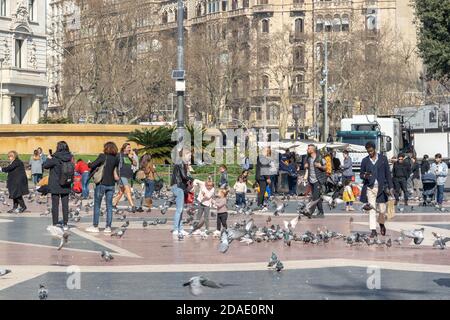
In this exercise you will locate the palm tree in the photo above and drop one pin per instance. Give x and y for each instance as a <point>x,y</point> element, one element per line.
<point>154,141</point>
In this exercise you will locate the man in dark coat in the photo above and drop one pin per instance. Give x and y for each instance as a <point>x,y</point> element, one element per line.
<point>377,186</point>
<point>54,163</point>
<point>17,182</point>
<point>400,173</point>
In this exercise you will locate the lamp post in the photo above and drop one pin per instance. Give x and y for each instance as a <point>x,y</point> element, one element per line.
<point>1,83</point>
<point>296,117</point>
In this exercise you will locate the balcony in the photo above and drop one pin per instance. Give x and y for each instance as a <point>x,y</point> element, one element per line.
<point>297,36</point>
<point>266,93</point>
<point>166,26</point>
<point>332,3</point>
<point>237,12</point>
<point>263,8</point>
<point>298,6</point>
<point>370,3</point>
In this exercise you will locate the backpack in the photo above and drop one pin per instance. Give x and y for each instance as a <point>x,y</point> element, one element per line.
<point>67,173</point>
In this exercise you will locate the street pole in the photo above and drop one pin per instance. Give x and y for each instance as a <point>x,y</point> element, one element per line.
<point>325,92</point>
<point>180,64</point>
<point>1,84</point>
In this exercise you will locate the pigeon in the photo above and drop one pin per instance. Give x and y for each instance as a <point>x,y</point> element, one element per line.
<point>118,233</point>
<point>279,266</point>
<point>64,240</point>
<point>273,260</point>
<point>440,241</point>
<point>224,242</point>
<point>389,243</point>
<point>180,236</point>
<point>144,224</point>
<point>279,207</point>
<point>125,225</point>
<point>106,255</point>
<point>290,225</point>
<point>399,240</point>
<point>43,292</point>
<point>123,217</point>
<point>4,272</point>
<point>198,283</point>
<point>197,224</point>
<point>416,235</point>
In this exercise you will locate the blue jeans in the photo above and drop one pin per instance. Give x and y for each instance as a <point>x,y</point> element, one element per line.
<point>179,194</point>
<point>240,199</point>
<point>149,188</point>
<point>100,191</point>
<point>85,185</point>
<point>36,177</point>
<point>440,194</point>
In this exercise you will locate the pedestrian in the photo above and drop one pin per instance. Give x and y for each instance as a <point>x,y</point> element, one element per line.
<point>400,173</point>
<point>240,188</point>
<point>440,170</point>
<point>149,170</point>
<point>104,173</point>
<point>134,166</point>
<point>41,154</point>
<point>36,167</point>
<point>316,177</point>
<point>60,179</point>
<point>292,176</point>
<point>17,182</point>
<point>223,182</point>
<point>348,195</point>
<point>330,138</point>
<point>347,167</point>
<point>415,172</point>
<point>262,176</point>
<point>274,172</point>
<point>425,165</point>
<point>126,160</point>
<point>377,186</point>
<point>82,168</point>
<point>205,198</point>
<point>179,185</point>
<point>222,211</point>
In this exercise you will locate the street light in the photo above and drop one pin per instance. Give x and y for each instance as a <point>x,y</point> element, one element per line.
<point>296,116</point>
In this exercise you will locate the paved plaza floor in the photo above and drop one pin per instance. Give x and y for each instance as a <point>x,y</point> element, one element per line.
<point>150,264</point>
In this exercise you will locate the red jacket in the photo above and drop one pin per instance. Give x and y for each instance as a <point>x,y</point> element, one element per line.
<point>81,167</point>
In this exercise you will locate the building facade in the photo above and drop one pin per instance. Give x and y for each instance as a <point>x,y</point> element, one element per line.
<point>23,61</point>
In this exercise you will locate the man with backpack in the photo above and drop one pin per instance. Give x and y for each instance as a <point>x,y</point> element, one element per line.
<point>62,170</point>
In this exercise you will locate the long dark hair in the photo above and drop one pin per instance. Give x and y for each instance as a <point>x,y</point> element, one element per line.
<point>62,146</point>
<point>146,158</point>
<point>124,146</point>
<point>110,148</point>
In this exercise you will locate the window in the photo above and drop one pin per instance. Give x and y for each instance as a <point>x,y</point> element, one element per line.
<point>245,3</point>
<point>3,8</point>
<point>263,1</point>
<point>199,10</point>
<point>345,23</point>
<point>299,85</point>
<point>265,26</point>
<point>18,62</point>
<point>185,13</point>
<point>299,27</point>
<point>224,5</point>
<point>319,24</point>
<point>31,10</point>
<point>175,14</point>
<point>264,56</point>
<point>273,113</point>
<point>336,23</point>
<point>265,82</point>
<point>164,17</point>
<point>298,1</point>
<point>298,56</point>
<point>328,24</point>
<point>234,4</point>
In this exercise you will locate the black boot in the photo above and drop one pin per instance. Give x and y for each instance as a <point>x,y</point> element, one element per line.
<point>382,229</point>
<point>12,210</point>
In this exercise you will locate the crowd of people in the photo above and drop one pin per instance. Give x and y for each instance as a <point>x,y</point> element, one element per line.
<point>317,173</point>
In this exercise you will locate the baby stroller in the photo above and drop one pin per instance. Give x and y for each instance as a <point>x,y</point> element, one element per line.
<point>429,188</point>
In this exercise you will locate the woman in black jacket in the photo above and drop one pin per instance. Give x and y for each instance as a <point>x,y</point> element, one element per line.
<point>58,190</point>
<point>108,162</point>
<point>17,182</point>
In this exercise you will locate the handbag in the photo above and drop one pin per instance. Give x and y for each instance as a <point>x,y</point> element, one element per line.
<point>390,209</point>
<point>98,175</point>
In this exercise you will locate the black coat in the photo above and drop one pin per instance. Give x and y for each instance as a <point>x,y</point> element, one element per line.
<point>54,164</point>
<point>17,181</point>
<point>383,177</point>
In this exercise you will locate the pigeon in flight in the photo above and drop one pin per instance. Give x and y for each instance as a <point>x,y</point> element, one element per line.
<point>416,235</point>
<point>290,225</point>
<point>440,241</point>
<point>4,272</point>
<point>106,255</point>
<point>198,283</point>
<point>43,292</point>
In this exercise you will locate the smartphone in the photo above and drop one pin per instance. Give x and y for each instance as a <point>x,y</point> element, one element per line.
<point>50,152</point>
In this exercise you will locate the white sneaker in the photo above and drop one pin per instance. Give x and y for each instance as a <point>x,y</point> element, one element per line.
<point>216,233</point>
<point>107,230</point>
<point>66,227</point>
<point>93,229</point>
<point>184,233</point>
<point>54,230</point>
<point>197,232</point>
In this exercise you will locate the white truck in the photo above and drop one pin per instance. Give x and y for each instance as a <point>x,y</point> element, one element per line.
<point>385,132</point>
<point>430,143</point>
